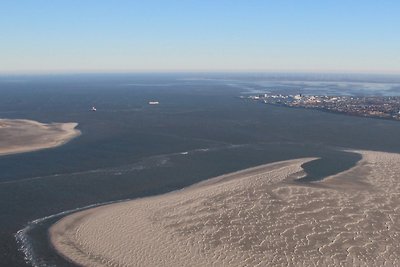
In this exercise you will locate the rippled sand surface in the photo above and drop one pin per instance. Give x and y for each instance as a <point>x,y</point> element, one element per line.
<point>18,136</point>
<point>257,217</point>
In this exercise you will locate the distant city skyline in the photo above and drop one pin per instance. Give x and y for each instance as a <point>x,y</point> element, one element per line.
<point>167,36</point>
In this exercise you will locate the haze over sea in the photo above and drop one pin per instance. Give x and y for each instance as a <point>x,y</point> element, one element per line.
<point>200,129</point>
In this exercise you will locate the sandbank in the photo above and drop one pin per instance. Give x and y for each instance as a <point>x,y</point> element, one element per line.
<point>256,217</point>
<point>19,136</point>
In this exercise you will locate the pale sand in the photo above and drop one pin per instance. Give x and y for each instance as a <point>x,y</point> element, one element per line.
<point>18,136</point>
<point>257,217</point>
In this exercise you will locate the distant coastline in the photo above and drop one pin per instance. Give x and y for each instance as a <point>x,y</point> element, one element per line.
<point>20,136</point>
<point>378,107</point>
<point>334,112</point>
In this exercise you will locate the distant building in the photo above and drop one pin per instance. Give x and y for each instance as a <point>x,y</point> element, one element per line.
<point>297,97</point>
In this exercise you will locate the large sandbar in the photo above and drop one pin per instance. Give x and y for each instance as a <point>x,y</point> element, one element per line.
<point>257,217</point>
<point>18,136</point>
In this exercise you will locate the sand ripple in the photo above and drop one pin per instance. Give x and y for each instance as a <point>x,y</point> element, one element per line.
<point>258,217</point>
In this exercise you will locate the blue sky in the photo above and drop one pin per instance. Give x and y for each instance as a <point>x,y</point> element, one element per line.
<point>202,35</point>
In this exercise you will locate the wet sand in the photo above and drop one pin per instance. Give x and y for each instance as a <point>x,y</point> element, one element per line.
<point>18,136</point>
<point>256,217</point>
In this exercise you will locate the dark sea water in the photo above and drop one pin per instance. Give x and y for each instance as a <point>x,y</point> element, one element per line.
<point>129,149</point>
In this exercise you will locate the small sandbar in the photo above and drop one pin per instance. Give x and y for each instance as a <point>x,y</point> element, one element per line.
<point>18,136</point>
<point>256,217</point>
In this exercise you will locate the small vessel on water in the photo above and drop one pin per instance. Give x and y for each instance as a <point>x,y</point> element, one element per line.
<point>93,108</point>
<point>154,102</point>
